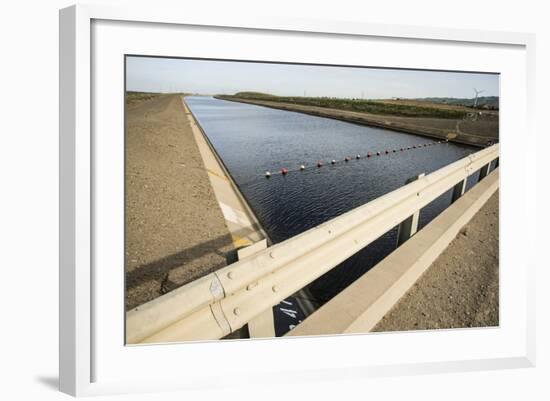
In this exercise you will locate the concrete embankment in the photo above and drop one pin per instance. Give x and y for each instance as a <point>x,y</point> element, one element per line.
<point>175,229</point>
<point>243,224</point>
<point>460,289</point>
<point>438,128</point>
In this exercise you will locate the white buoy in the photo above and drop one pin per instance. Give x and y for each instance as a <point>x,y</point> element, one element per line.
<point>333,161</point>
<point>358,156</point>
<point>302,167</point>
<point>267,174</point>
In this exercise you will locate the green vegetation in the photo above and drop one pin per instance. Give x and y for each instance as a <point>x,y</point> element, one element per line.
<point>361,105</point>
<point>134,97</point>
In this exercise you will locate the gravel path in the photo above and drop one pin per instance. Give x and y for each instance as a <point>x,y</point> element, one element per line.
<point>460,289</point>
<point>175,230</point>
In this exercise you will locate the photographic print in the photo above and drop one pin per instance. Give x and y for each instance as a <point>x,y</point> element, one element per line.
<point>271,200</point>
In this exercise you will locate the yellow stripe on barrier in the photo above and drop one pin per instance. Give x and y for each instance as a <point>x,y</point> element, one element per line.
<point>217,175</point>
<point>239,242</point>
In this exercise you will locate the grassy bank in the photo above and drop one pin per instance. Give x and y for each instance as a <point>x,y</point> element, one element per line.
<point>137,97</point>
<point>132,98</point>
<point>359,105</point>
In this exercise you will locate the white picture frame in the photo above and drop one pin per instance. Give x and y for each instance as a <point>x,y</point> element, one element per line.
<point>88,366</point>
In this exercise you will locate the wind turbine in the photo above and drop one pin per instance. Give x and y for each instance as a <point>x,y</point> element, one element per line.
<point>477,93</point>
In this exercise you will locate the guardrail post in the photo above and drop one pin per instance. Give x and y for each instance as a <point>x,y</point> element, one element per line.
<point>262,325</point>
<point>458,190</point>
<point>409,226</point>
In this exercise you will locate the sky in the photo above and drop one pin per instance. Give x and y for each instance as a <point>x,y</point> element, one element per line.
<point>152,74</point>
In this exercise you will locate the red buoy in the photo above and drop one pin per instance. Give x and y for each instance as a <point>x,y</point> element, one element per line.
<point>319,164</point>
<point>347,159</point>
<point>369,155</point>
<point>401,150</point>
<point>284,171</point>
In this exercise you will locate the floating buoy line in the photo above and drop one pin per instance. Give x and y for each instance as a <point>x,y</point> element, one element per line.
<point>284,171</point>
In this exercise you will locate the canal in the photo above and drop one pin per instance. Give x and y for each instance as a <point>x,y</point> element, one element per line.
<point>253,139</point>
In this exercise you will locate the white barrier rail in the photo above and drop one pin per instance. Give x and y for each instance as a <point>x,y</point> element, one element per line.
<point>224,301</point>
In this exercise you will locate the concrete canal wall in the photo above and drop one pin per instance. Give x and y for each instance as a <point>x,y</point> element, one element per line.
<point>243,224</point>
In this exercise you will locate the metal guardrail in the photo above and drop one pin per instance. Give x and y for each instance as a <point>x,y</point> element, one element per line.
<point>224,301</point>
<point>364,303</point>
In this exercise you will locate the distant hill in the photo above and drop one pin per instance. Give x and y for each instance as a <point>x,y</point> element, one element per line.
<point>254,95</point>
<point>484,102</point>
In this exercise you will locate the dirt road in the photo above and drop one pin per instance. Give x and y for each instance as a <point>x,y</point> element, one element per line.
<point>175,230</point>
